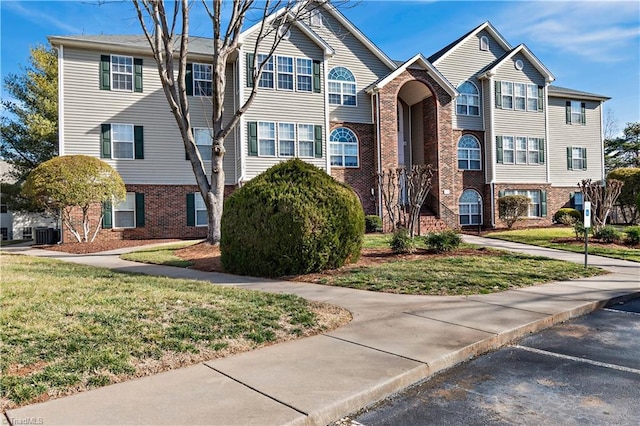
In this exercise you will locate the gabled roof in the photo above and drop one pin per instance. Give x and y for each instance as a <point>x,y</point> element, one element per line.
<point>445,51</point>
<point>563,92</point>
<point>524,50</point>
<point>422,62</point>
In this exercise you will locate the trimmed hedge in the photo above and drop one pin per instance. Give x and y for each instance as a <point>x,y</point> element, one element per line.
<point>292,219</point>
<point>373,223</point>
<point>567,211</point>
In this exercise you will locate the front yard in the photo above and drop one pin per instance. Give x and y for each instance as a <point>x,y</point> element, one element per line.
<point>67,328</point>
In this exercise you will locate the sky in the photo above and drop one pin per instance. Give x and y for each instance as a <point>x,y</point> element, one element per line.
<point>593,46</point>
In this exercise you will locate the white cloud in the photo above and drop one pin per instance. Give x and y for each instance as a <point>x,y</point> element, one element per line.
<point>32,14</point>
<point>598,31</point>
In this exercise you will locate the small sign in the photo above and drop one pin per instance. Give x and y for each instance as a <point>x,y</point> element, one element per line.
<point>587,214</point>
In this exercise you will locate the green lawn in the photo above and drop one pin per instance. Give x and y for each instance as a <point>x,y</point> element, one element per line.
<point>163,255</point>
<point>543,237</point>
<point>457,274</point>
<point>68,327</point>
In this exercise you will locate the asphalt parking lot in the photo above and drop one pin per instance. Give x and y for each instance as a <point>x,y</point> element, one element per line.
<point>585,372</point>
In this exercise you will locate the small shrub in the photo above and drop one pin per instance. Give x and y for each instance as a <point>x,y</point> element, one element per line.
<point>608,234</point>
<point>512,208</point>
<point>568,220</point>
<point>401,242</point>
<point>578,229</point>
<point>373,223</point>
<point>557,217</point>
<point>443,241</point>
<point>633,235</point>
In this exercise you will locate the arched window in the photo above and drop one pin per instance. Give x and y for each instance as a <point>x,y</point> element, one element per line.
<point>343,148</point>
<point>484,43</point>
<point>470,208</point>
<point>468,103</point>
<point>468,153</point>
<point>342,87</point>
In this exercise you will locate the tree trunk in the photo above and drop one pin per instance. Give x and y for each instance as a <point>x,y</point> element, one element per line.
<point>215,197</point>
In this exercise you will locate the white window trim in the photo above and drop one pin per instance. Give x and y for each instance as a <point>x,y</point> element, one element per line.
<point>279,139</point>
<point>194,79</point>
<point>526,193</point>
<point>504,84</point>
<point>292,73</point>
<point>579,113</point>
<point>517,149</point>
<point>298,140</point>
<point>527,97</point>
<point>534,96</point>
<point>468,159</point>
<point>476,95</point>
<point>295,66</point>
<point>272,71</point>
<point>523,97</point>
<point>530,142</point>
<point>343,144</point>
<point>342,83</point>
<point>471,215</point>
<point>210,131</point>
<point>115,209</point>
<point>198,196</point>
<point>111,72</point>
<point>583,164</point>
<point>113,141</point>
<point>275,139</point>
<point>484,43</point>
<point>513,149</point>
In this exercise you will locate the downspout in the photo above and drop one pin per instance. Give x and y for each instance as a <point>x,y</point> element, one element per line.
<point>547,142</point>
<point>492,126</point>
<point>240,98</point>
<point>327,125</point>
<point>379,146</point>
<point>60,50</point>
<point>602,141</point>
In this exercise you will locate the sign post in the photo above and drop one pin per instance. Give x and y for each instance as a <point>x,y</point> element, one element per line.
<point>587,225</point>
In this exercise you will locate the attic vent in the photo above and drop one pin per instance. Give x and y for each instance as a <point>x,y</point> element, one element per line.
<point>315,18</point>
<point>519,65</point>
<point>484,43</point>
<point>284,33</point>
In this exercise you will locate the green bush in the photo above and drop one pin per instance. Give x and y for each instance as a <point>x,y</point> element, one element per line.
<point>557,217</point>
<point>608,234</point>
<point>373,223</point>
<point>512,208</point>
<point>578,229</point>
<point>633,235</point>
<point>443,241</point>
<point>401,242</point>
<point>291,219</point>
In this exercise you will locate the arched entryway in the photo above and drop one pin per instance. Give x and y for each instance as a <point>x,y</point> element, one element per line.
<point>415,109</point>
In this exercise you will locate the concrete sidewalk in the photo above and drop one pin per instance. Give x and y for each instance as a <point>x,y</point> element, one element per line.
<point>392,342</point>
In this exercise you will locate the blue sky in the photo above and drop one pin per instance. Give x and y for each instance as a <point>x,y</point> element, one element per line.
<point>588,45</point>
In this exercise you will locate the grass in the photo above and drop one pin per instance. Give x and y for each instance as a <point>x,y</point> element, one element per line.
<point>544,237</point>
<point>163,255</point>
<point>487,272</point>
<point>4,243</point>
<point>68,327</point>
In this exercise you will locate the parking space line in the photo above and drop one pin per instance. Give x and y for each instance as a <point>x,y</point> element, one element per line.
<point>573,358</point>
<point>621,312</point>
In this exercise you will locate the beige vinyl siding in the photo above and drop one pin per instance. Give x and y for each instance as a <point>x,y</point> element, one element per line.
<point>563,135</point>
<point>86,108</point>
<point>365,66</point>
<point>283,106</point>
<point>463,64</point>
<point>510,122</point>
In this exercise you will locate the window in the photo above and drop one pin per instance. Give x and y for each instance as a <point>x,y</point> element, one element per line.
<point>577,201</point>
<point>267,139</point>
<point>122,140</point>
<point>121,73</point>
<point>520,96</point>
<point>342,87</point>
<point>285,73</point>
<point>202,80</point>
<point>576,112</point>
<point>204,140</point>
<point>576,158</point>
<point>532,97</point>
<point>521,150</point>
<point>266,79</point>
<point>535,205</point>
<point>534,150</point>
<point>305,140</point>
<point>5,233</point>
<point>201,218</point>
<point>484,43</point>
<point>507,95</point>
<point>27,233</point>
<point>304,75</point>
<point>469,206</point>
<point>468,103</point>
<point>507,150</point>
<point>286,139</point>
<point>468,153</point>
<point>343,148</point>
<point>124,213</point>
<point>4,208</point>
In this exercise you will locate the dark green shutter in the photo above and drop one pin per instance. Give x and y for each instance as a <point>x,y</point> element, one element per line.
<point>499,156</point>
<point>543,203</point>
<point>584,158</point>
<point>188,79</point>
<point>500,194</point>
<point>583,113</point>
<point>139,210</point>
<point>105,72</point>
<point>252,136</point>
<point>138,141</point>
<point>540,98</point>
<point>191,209</point>
<point>105,141</point>
<point>107,219</point>
<point>317,130</point>
<point>498,86</point>
<point>569,159</point>
<point>250,69</point>
<point>137,74</point>
<point>568,112</point>
<point>541,150</point>
<point>316,76</point>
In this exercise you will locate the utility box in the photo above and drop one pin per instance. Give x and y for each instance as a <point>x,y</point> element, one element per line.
<point>45,236</point>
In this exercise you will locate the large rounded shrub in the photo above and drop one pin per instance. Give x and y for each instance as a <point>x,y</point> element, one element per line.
<point>291,219</point>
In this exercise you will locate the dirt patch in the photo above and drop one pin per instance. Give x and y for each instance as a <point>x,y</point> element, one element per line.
<point>99,246</point>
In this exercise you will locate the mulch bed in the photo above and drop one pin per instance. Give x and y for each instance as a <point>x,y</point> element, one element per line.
<point>98,246</point>
<point>592,242</point>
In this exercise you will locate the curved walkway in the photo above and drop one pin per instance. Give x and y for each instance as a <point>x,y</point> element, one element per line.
<point>392,342</point>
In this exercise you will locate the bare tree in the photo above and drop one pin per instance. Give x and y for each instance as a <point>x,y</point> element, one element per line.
<point>403,193</point>
<point>167,31</point>
<point>603,196</point>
